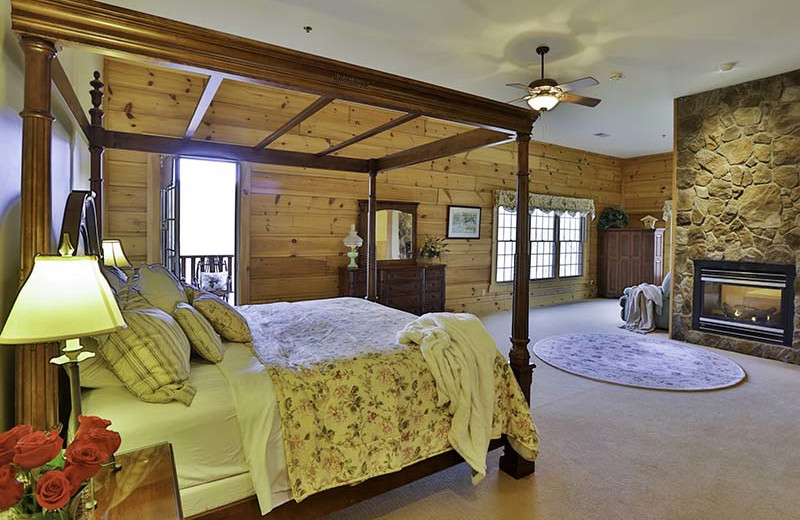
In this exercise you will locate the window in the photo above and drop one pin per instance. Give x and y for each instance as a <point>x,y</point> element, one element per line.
<point>556,245</point>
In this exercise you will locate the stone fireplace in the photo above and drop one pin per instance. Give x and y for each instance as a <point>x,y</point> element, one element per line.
<point>745,300</point>
<point>737,216</point>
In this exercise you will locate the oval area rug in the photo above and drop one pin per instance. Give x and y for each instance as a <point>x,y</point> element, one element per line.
<point>634,360</point>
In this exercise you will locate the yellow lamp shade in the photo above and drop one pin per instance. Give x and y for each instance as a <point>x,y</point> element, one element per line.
<point>64,297</point>
<point>113,254</point>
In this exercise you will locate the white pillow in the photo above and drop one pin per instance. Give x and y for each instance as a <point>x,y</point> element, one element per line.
<point>160,287</point>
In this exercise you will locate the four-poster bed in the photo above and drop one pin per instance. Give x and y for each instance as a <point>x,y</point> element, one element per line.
<point>114,31</point>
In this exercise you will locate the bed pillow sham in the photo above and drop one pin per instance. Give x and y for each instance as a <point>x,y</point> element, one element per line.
<point>204,339</point>
<point>160,287</point>
<point>115,277</point>
<point>151,356</point>
<point>226,320</point>
<point>95,372</point>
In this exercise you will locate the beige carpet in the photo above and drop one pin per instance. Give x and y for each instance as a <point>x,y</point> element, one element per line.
<point>611,452</point>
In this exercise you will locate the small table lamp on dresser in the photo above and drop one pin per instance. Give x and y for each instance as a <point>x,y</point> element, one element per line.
<point>64,298</point>
<point>114,255</point>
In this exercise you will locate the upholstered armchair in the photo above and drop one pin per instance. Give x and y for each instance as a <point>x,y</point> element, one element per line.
<point>662,318</point>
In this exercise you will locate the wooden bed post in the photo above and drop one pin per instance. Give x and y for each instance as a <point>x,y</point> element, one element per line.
<point>520,357</point>
<point>36,380</point>
<point>96,148</point>
<point>372,258</point>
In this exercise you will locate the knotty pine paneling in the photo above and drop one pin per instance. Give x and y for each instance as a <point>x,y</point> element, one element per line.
<point>646,184</point>
<point>297,218</point>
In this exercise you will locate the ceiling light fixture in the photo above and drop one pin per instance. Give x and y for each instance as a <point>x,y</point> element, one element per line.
<point>543,100</point>
<point>616,76</point>
<point>725,67</point>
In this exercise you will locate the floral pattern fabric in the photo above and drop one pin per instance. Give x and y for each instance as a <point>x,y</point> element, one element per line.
<point>371,408</point>
<point>561,205</point>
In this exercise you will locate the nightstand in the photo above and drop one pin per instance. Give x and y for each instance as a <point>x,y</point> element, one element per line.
<point>145,488</point>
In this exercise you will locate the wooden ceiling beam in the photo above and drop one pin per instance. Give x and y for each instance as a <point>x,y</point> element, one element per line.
<point>64,88</point>
<point>209,92</point>
<point>119,31</point>
<point>304,114</point>
<point>369,133</point>
<point>232,152</point>
<point>470,140</point>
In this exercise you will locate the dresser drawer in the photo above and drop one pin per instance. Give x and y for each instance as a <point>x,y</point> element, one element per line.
<point>403,287</point>
<point>434,273</point>
<point>434,286</point>
<point>409,303</point>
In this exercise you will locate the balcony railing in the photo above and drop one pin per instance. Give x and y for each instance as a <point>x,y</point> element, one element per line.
<point>192,265</point>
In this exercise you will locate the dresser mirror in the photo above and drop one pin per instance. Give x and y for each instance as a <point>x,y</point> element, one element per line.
<point>395,230</point>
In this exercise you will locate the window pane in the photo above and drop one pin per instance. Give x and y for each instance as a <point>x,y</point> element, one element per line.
<point>570,234</point>
<point>506,231</point>
<point>543,245</point>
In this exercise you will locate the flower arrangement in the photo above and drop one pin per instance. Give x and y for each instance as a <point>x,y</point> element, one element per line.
<point>40,480</point>
<point>613,217</point>
<point>433,247</point>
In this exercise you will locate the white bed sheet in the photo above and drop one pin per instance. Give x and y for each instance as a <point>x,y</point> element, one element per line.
<point>206,437</point>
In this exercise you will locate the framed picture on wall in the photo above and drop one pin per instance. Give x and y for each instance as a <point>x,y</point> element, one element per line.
<point>463,222</point>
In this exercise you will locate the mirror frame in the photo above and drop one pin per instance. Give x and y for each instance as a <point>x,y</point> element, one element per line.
<point>406,207</point>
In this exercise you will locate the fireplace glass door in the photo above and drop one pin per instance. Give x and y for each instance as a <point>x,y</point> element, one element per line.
<point>759,306</point>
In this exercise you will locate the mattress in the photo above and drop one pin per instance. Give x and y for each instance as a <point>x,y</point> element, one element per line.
<point>205,437</point>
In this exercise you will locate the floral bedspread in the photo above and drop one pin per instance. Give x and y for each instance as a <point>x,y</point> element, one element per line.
<point>354,404</point>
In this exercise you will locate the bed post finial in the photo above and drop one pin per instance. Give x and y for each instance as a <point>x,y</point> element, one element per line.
<point>520,357</point>
<point>96,147</point>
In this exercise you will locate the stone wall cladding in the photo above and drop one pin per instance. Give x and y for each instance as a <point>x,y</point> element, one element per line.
<point>738,192</point>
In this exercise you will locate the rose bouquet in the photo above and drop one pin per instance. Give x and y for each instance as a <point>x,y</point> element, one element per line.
<point>40,480</point>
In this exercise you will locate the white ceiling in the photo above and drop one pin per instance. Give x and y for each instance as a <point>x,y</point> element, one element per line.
<point>665,48</point>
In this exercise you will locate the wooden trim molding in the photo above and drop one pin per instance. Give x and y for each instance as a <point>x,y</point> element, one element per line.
<point>154,209</point>
<point>209,91</point>
<point>304,114</point>
<point>117,30</point>
<point>231,152</point>
<point>456,144</point>
<point>243,254</point>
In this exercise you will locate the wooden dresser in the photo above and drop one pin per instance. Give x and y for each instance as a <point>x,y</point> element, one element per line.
<point>629,257</point>
<point>413,288</point>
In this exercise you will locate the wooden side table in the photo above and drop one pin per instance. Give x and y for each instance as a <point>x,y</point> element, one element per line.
<point>145,488</point>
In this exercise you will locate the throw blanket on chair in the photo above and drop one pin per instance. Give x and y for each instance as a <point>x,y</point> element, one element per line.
<point>643,302</point>
<point>460,353</point>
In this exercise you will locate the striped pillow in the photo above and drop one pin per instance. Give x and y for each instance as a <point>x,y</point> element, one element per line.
<point>204,339</point>
<point>226,320</point>
<point>160,287</point>
<point>151,357</point>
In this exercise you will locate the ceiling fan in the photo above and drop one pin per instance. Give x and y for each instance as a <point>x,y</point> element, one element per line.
<point>546,93</point>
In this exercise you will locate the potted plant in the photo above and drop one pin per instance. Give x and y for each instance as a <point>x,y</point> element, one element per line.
<point>39,480</point>
<point>613,217</point>
<point>432,249</point>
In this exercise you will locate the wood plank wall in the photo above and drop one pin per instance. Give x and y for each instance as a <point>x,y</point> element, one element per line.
<point>646,184</point>
<point>297,218</point>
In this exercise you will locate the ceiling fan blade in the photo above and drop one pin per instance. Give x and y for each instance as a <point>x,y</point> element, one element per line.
<point>518,85</point>
<point>580,100</point>
<point>579,83</point>
<point>523,98</point>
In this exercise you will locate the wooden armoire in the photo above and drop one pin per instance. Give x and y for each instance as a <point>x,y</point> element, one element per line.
<point>629,257</point>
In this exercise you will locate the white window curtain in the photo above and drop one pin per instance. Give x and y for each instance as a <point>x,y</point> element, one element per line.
<point>562,206</point>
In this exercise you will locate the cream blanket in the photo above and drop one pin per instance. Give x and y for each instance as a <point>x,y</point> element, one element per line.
<point>643,302</point>
<point>460,353</point>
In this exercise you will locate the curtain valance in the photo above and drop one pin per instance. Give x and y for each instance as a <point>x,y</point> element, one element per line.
<point>560,205</point>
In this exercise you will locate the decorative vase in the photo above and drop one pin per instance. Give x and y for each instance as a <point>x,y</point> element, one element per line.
<point>80,507</point>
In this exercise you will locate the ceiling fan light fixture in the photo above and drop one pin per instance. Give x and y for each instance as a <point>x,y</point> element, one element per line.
<point>543,102</point>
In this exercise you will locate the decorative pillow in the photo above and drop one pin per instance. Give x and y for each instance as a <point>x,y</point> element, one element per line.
<point>191,291</point>
<point>160,287</point>
<point>95,372</point>
<point>115,276</point>
<point>226,320</point>
<point>129,299</point>
<point>151,357</point>
<point>215,283</point>
<point>202,336</point>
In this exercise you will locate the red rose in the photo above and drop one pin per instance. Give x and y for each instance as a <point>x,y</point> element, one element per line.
<point>9,439</point>
<point>11,489</point>
<point>85,452</point>
<point>77,475</point>
<point>109,439</point>
<point>53,490</point>
<point>88,422</point>
<point>37,448</point>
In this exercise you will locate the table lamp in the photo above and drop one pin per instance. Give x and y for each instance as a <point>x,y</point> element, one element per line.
<point>64,298</point>
<point>352,241</point>
<point>114,255</point>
